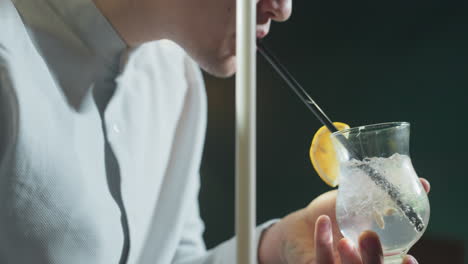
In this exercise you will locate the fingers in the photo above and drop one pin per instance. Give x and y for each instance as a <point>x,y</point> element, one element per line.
<point>348,253</point>
<point>323,240</point>
<point>425,183</point>
<point>410,260</point>
<point>370,248</point>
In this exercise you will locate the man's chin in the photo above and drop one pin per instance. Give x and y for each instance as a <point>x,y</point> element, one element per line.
<point>223,69</point>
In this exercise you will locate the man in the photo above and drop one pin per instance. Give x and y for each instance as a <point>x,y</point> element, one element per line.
<point>102,124</point>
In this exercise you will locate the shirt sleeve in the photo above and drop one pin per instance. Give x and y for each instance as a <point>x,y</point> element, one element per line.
<point>191,249</point>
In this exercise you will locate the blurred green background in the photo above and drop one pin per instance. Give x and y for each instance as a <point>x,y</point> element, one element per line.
<point>364,62</point>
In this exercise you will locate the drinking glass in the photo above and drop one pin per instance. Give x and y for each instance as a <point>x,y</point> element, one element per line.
<point>379,189</point>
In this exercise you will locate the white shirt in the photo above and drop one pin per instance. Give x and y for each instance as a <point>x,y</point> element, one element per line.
<point>100,145</point>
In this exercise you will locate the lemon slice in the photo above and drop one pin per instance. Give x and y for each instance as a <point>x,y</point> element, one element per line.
<point>323,155</point>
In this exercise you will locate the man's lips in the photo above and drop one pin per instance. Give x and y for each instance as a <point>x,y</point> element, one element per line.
<point>260,33</point>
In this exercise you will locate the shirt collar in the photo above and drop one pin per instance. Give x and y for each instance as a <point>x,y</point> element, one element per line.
<point>97,34</point>
<point>80,47</point>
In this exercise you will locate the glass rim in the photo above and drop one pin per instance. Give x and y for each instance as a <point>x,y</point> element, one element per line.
<point>372,127</point>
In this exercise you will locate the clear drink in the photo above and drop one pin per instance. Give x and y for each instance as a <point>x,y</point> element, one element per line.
<point>364,204</point>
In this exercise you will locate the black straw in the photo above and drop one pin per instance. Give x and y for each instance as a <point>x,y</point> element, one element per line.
<point>296,87</point>
<point>375,176</point>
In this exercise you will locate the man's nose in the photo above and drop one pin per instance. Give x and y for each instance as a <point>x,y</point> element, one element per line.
<point>277,10</point>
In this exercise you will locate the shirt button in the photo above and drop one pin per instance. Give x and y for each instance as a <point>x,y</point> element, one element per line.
<point>115,128</point>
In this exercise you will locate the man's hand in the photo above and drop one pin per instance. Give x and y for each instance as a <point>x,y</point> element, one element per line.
<point>311,236</point>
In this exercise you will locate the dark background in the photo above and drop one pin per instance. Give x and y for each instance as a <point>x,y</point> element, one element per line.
<point>364,62</point>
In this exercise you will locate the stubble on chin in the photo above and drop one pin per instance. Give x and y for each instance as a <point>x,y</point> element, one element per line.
<point>224,68</point>
<point>224,64</point>
<point>228,60</point>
